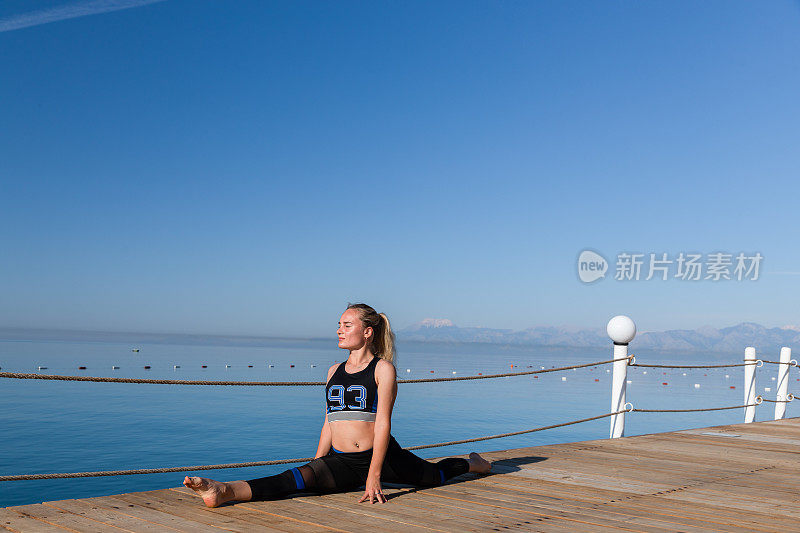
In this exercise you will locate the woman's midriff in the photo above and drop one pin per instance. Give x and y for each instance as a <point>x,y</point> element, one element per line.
<point>352,435</point>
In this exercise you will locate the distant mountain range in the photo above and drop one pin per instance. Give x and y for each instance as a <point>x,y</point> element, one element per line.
<point>705,339</point>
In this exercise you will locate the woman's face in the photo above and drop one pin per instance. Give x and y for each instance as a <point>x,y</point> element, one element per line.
<point>352,333</point>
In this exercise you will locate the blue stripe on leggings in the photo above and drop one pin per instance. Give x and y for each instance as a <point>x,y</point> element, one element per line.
<point>334,449</point>
<point>441,476</point>
<point>298,479</point>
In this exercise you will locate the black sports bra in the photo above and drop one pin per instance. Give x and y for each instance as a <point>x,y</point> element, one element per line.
<point>353,396</point>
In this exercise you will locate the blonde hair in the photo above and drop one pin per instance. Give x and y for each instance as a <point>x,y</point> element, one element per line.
<point>383,336</point>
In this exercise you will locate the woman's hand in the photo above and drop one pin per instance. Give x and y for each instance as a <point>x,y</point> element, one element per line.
<point>373,491</point>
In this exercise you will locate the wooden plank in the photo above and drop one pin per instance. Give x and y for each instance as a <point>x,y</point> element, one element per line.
<point>139,518</point>
<point>65,519</point>
<point>278,516</point>
<point>484,518</point>
<point>327,515</point>
<point>702,511</point>
<point>522,503</point>
<point>12,520</point>
<point>194,509</point>
<point>594,511</point>
<point>345,513</point>
<point>104,515</point>
<point>391,510</point>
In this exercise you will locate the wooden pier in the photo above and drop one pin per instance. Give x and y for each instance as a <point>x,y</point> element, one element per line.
<point>743,477</point>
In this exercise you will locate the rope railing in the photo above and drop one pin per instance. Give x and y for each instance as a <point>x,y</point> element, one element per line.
<point>22,477</point>
<point>632,409</point>
<point>793,362</point>
<point>758,363</point>
<point>789,397</point>
<point>18,375</point>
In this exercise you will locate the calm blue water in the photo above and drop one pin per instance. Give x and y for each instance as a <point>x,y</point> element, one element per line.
<point>50,426</point>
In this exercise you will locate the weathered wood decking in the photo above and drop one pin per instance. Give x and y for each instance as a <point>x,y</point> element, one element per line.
<point>743,477</point>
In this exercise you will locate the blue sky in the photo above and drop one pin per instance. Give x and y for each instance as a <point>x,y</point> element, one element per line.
<point>250,167</point>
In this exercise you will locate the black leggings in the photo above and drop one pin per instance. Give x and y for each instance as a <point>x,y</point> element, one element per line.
<point>343,471</point>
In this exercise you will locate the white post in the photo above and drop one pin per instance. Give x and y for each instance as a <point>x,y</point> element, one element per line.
<point>783,383</point>
<point>622,330</point>
<point>749,384</point>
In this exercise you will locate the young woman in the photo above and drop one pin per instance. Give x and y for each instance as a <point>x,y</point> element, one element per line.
<point>355,445</point>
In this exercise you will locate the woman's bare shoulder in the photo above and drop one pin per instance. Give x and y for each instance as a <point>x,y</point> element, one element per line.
<point>332,369</point>
<point>385,369</point>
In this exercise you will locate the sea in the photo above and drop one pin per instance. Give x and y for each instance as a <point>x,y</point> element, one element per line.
<point>59,426</point>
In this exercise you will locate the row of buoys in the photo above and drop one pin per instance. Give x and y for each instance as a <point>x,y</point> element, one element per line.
<point>116,367</point>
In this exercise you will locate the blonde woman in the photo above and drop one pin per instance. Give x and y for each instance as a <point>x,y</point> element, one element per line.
<point>355,445</point>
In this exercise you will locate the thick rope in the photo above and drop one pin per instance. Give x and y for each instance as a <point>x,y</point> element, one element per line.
<point>636,409</point>
<point>452,442</point>
<point>17,375</point>
<point>275,462</point>
<point>694,366</point>
<point>790,363</point>
<point>791,398</point>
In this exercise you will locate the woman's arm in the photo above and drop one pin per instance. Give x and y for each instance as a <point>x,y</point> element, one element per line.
<point>324,445</point>
<point>325,441</point>
<point>386,377</point>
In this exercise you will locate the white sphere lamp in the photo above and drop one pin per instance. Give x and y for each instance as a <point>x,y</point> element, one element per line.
<point>621,329</point>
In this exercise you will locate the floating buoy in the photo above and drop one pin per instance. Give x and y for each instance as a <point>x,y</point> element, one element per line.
<point>81,368</point>
<point>665,383</point>
<point>537,377</point>
<point>645,372</point>
<point>42,368</point>
<point>773,378</point>
<point>684,373</point>
<point>291,366</point>
<point>408,370</point>
<point>607,371</point>
<point>272,366</point>
<point>431,371</point>
<point>249,366</point>
<point>454,371</point>
<point>599,380</point>
<point>115,367</point>
<point>733,387</point>
<point>203,366</point>
<point>726,376</point>
<point>767,389</point>
<point>530,366</point>
<point>176,366</point>
<point>147,367</point>
<point>705,374</point>
<point>480,373</point>
<point>227,366</point>
<point>313,366</point>
<point>563,378</point>
<point>626,381</point>
<point>696,385</point>
<point>135,350</point>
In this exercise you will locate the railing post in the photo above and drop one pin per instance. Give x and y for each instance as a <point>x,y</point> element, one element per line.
<point>783,382</point>
<point>622,330</point>
<point>749,384</point>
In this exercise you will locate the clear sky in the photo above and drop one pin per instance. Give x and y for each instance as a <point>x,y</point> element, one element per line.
<point>250,167</point>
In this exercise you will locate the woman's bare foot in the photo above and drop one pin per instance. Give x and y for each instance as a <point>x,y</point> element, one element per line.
<point>478,464</point>
<point>214,493</point>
